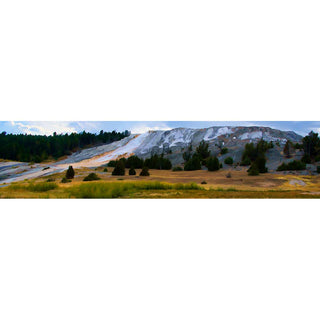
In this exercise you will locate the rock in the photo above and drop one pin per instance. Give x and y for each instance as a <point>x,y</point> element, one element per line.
<point>294,182</point>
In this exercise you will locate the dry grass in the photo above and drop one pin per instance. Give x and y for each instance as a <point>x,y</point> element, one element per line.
<point>167,184</point>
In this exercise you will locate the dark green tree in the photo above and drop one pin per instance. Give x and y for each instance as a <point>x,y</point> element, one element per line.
<point>228,160</point>
<point>188,154</point>
<point>287,149</point>
<point>119,169</point>
<point>202,150</point>
<point>311,145</point>
<point>134,161</point>
<point>70,173</point>
<point>145,172</point>
<point>213,164</point>
<point>132,172</point>
<point>193,163</point>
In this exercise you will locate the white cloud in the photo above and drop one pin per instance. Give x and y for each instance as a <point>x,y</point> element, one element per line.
<point>143,129</point>
<point>44,127</point>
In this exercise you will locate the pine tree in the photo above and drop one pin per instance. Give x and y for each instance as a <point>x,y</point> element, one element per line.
<point>213,164</point>
<point>202,150</point>
<point>193,164</point>
<point>119,169</point>
<point>286,149</point>
<point>70,173</point>
<point>145,172</point>
<point>132,172</point>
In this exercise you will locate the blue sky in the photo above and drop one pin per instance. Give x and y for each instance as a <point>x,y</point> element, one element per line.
<point>48,127</point>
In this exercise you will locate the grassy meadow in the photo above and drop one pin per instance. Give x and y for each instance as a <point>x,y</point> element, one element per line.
<point>165,184</point>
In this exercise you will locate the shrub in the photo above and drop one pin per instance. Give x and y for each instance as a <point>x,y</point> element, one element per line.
<point>204,182</point>
<point>51,180</point>
<point>105,170</point>
<point>145,172</point>
<point>228,160</point>
<point>70,173</point>
<point>132,172</point>
<point>318,169</point>
<point>177,169</point>
<point>119,169</point>
<point>224,150</point>
<point>213,164</point>
<point>253,170</point>
<point>292,165</point>
<point>91,177</point>
<point>65,180</point>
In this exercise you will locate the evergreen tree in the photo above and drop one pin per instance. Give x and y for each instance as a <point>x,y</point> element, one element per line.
<point>134,161</point>
<point>311,145</point>
<point>132,172</point>
<point>119,169</point>
<point>70,173</point>
<point>193,164</point>
<point>286,149</point>
<point>187,155</point>
<point>202,150</point>
<point>213,164</point>
<point>37,148</point>
<point>145,172</point>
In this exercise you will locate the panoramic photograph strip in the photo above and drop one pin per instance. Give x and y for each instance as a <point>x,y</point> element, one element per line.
<point>159,159</point>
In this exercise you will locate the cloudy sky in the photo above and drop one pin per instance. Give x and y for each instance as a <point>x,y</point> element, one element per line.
<point>48,127</point>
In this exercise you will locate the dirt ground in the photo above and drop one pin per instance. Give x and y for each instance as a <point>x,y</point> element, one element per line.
<point>238,180</point>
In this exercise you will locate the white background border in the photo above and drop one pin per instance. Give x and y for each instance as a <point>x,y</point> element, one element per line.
<point>168,60</point>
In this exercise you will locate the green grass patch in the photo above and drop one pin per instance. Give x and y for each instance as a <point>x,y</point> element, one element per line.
<point>122,189</point>
<point>35,187</point>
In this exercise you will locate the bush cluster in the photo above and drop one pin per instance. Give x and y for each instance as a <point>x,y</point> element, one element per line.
<point>154,162</point>
<point>292,165</point>
<point>228,160</point>
<point>254,155</point>
<point>91,177</point>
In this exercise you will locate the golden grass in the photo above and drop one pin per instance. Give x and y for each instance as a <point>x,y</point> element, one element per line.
<point>167,184</point>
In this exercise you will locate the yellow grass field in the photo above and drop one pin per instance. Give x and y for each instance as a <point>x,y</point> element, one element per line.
<point>167,184</point>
